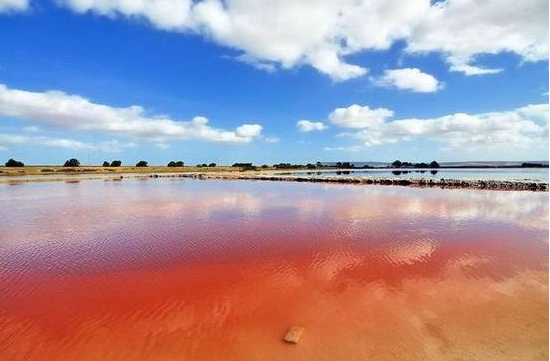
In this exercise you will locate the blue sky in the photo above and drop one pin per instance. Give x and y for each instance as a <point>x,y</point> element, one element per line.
<point>368,90</point>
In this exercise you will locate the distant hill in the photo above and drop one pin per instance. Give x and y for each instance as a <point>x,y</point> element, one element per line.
<point>491,164</point>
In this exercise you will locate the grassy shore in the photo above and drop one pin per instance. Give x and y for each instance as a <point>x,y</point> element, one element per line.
<point>84,169</point>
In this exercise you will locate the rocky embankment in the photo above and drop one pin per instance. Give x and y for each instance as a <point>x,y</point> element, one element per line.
<point>427,183</point>
<point>440,183</point>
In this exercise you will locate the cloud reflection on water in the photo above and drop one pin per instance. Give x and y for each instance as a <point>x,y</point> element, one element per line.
<point>212,270</point>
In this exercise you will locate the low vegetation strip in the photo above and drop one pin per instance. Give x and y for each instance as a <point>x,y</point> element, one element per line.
<point>41,170</point>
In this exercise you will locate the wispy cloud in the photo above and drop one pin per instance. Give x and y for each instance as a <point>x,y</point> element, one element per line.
<point>8,140</point>
<point>272,140</point>
<point>13,5</point>
<point>351,148</point>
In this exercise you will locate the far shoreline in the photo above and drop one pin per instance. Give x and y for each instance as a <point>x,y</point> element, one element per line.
<point>70,175</point>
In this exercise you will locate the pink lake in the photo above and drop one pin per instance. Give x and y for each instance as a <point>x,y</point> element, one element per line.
<point>165,269</point>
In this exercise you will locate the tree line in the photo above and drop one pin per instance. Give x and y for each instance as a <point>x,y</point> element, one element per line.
<point>400,164</point>
<point>73,162</point>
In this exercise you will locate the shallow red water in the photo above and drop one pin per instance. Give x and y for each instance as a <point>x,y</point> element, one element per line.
<point>190,270</point>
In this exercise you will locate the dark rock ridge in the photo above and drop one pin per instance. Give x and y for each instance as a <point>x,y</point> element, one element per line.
<point>439,183</point>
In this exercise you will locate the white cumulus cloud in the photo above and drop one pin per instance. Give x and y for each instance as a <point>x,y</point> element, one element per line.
<point>73,112</point>
<point>248,131</point>
<point>321,33</point>
<point>519,127</point>
<point>356,116</point>
<point>463,29</point>
<point>408,79</point>
<point>309,126</point>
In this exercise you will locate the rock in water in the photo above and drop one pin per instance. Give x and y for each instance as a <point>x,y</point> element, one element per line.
<point>294,333</point>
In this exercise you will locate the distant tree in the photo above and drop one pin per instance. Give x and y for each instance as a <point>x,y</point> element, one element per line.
<point>319,164</point>
<point>339,164</point>
<point>105,164</point>
<point>141,163</point>
<point>199,165</point>
<point>204,165</point>
<point>311,166</point>
<point>244,166</point>
<point>73,162</point>
<point>178,163</point>
<point>397,164</point>
<point>434,164</point>
<point>288,166</point>
<point>265,166</point>
<point>116,163</point>
<point>14,163</point>
<point>212,165</point>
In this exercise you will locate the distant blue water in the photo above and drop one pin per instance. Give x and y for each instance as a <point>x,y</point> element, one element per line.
<point>531,174</point>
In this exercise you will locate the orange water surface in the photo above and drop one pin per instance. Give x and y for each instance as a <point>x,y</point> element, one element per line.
<point>219,270</point>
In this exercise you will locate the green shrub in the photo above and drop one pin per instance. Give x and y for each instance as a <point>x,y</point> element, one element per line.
<point>14,163</point>
<point>178,163</point>
<point>73,162</point>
